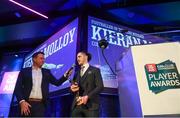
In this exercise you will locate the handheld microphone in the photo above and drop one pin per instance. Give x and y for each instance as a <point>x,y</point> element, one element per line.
<point>67,73</point>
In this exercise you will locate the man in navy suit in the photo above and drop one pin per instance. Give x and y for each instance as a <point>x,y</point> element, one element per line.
<point>87,85</point>
<point>32,87</point>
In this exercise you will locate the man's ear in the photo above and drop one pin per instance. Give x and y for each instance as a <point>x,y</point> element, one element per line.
<point>86,58</point>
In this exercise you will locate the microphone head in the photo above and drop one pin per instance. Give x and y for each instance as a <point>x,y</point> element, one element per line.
<point>74,65</point>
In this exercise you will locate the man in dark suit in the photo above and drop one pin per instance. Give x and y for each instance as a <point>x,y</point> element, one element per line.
<point>86,87</point>
<point>32,87</point>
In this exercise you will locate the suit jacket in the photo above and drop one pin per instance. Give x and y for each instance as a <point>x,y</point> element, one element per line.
<point>90,84</point>
<point>24,83</point>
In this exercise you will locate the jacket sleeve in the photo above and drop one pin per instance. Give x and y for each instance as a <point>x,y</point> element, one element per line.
<point>19,87</point>
<point>54,81</point>
<point>72,82</point>
<point>74,78</point>
<point>99,84</point>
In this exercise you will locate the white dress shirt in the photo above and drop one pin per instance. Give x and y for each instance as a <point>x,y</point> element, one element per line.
<point>36,91</point>
<point>85,66</point>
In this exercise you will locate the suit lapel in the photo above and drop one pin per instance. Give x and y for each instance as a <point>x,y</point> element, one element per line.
<point>30,75</point>
<point>42,71</point>
<point>85,74</point>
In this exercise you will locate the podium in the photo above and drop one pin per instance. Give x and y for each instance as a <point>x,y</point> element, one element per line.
<point>149,80</point>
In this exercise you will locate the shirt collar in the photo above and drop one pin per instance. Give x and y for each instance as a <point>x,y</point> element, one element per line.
<point>85,65</point>
<point>33,68</point>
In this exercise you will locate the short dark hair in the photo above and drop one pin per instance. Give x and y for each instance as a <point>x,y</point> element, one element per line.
<point>87,54</point>
<point>36,54</point>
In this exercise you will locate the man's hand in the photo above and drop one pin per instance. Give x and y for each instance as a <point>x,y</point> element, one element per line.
<point>68,73</point>
<point>79,100</point>
<point>85,99</point>
<point>82,100</point>
<point>25,108</point>
<point>74,87</point>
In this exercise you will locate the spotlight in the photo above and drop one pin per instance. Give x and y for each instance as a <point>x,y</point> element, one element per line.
<point>103,43</point>
<point>17,14</point>
<point>16,55</point>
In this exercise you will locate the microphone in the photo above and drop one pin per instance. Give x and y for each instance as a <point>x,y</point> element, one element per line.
<point>70,69</point>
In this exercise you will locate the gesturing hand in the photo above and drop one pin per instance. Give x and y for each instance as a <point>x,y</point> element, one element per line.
<point>25,108</point>
<point>68,73</point>
<point>82,100</point>
<point>74,87</point>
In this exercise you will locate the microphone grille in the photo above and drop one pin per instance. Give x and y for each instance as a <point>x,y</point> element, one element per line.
<point>73,65</point>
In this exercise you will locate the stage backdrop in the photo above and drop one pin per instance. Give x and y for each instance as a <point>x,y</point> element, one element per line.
<point>6,92</point>
<point>60,52</point>
<point>9,70</point>
<point>120,38</point>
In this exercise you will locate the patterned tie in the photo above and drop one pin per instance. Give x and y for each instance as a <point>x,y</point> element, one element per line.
<point>82,71</point>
